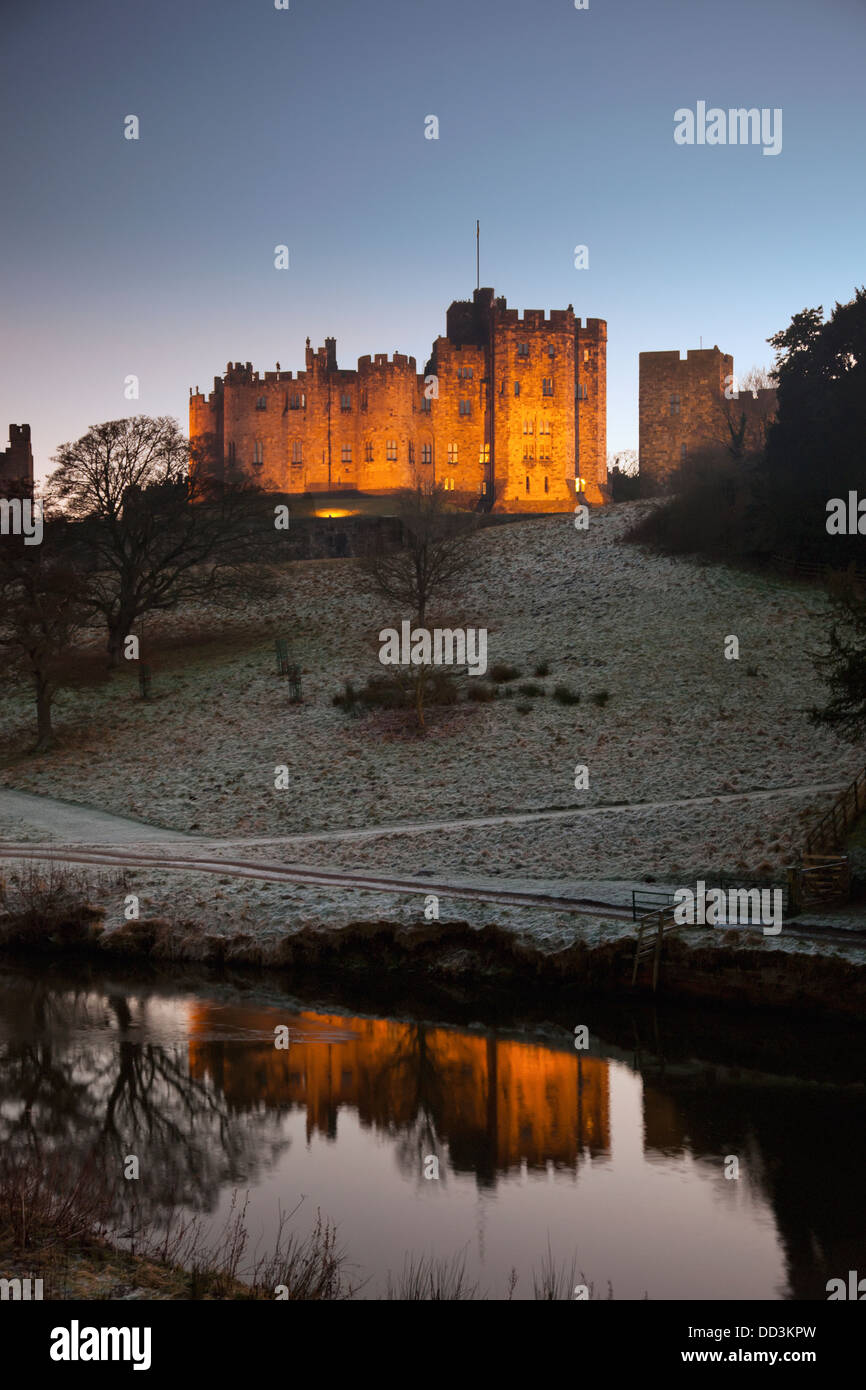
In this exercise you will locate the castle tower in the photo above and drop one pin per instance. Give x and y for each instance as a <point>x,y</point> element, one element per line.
<point>681,408</point>
<point>16,463</point>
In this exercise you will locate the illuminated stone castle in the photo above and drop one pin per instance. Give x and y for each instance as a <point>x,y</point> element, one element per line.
<point>509,414</point>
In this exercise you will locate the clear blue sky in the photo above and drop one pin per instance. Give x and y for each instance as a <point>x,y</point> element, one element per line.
<point>306,127</point>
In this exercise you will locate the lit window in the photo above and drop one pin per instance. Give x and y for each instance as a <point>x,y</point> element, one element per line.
<point>527,427</point>
<point>547,386</point>
<point>452,453</point>
<point>544,427</point>
<point>391,450</point>
<point>346,453</point>
<point>484,454</point>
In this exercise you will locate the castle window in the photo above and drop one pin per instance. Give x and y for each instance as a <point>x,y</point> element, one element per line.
<point>484,454</point>
<point>258,452</point>
<point>551,352</point>
<point>391,450</point>
<point>527,427</point>
<point>543,449</point>
<point>522,349</point>
<point>232,451</point>
<point>411,452</point>
<point>297,451</point>
<point>675,404</point>
<point>452,453</point>
<point>346,453</point>
<point>528,452</point>
<point>544,427</point>
<point>364,399</point>
<point>465,407</point>
<point>426,453</point>
<point>449,484</point>
<point>465,372</point>
<point>517,388</point>
<point>582,392</point>
<point>368,451</point>
<point>295,400</point>
<point>345,401</point>
<point>527,482</point>
<point>547,386</point>
<point>586,354</point>
<point>683,453</point>
<point>261,403</point>
<point>546,489</point>
<point>426,404</point>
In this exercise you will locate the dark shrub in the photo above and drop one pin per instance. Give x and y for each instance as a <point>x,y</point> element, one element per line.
<point>501,672</point>
<point>564,695</point>
<point>531,688</point>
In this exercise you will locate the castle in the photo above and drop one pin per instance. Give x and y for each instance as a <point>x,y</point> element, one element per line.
<point>509,414</point>
<point>16,463</point>
<point>683,409</point>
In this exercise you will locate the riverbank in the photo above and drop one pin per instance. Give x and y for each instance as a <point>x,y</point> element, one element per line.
<point>486,949</point>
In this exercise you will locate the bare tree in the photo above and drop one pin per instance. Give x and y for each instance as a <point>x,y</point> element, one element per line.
<point>157,523</point>
<point>435,552</point>
<point>44,608</point>
<point>746,413</point>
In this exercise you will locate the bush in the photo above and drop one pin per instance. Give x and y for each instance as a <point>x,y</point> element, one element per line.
<point>522,708</point>
<point>542,669</point>
<point>564,695</point>
<point>480,693</point>
<point>501,672</point>
<point>531,688</point>
<point>600,697</point>
<point>397,691</point>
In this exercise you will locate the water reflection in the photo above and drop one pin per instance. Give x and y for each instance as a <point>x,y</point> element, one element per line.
<point>492,1102</point>
<point>617,1154</point>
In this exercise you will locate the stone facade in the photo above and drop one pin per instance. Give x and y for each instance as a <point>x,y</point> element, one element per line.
<point>16,463</point>
<point>508,412</point>
<point>683,409</point>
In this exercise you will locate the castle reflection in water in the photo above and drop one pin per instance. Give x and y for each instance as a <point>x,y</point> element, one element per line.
<point>496,1103</point>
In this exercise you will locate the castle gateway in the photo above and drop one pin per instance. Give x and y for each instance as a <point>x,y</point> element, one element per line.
<point>509,413</point>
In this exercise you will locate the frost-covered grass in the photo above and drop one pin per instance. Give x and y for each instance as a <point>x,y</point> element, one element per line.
<point>680,720</point>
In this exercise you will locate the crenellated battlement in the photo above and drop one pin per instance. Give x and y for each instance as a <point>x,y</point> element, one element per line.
<point>378,428</point>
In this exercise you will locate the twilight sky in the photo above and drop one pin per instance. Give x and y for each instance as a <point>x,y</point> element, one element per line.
<point>305,126</point>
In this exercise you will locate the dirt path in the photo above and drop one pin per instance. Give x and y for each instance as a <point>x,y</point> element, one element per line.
<point>68,823</point>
